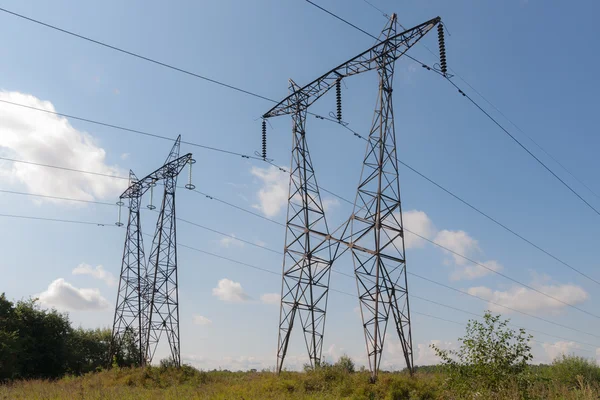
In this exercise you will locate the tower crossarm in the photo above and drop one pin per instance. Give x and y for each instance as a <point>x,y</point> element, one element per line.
<point>172,168</point>
<point>395,46</point>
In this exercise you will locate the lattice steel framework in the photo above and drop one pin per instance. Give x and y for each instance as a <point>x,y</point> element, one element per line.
<point>376,235</point>
<point>130,311</point>
<point>307,257</point>
<point>162,270</point>
<point>147,302</point>
<point>376,228</point>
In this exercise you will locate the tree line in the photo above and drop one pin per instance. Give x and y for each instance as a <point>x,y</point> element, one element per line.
<point>37,343</point>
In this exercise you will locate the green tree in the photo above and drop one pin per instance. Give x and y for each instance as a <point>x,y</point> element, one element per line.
<point>88,350</point>
<point>491,356</point>
<point>9,341</point>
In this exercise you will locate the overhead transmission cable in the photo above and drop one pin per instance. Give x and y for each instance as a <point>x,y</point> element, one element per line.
<point>482,110</point>
<point>468,259</point>
<point>233,237</point>
<point>354,295</point>
<point>454,73</point>
<point>270,271</point>
<point>271,100</point>
<point>265,98</point>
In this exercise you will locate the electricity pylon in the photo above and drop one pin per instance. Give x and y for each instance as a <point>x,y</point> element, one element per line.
<point>307,258</point>
<point>376,230</point>
<point>130,312</point>
<point>163,313</point>
<point>147,300</point>
<point>377,208</point>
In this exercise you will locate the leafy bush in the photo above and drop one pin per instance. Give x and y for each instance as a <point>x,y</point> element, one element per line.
<point>490,357</point>
<point>569,370</point>
<point>345,364</point>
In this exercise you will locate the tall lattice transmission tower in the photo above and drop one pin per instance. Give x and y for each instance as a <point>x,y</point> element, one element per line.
<point>373,233</point>
<point>147,299</point>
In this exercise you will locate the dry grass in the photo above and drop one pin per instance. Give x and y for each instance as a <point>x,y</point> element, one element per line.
<point>187,383</point>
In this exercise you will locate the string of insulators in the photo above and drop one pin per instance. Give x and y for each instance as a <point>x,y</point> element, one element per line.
<point>190,185</point>
<point>264,139</point>
<point>443,64</point>
<point>151,206</point>
<point>120,204</point>
<point>338,99</point>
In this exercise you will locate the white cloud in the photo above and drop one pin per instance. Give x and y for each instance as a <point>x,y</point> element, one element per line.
<point>63,295</point>
<point>98,273</point>
<point>419,223</point>
<point>330,203</point>
<point>270,298</point>
<point>125,156</point>
<point>230,291</point>
<point>459,242</point>
<point>474,271</point>
<point>201,320</point>
<point>231,241</point>
<point>524,299</point>
<point>557,349</point>
<point>49,139</point>
<point>273,194</point>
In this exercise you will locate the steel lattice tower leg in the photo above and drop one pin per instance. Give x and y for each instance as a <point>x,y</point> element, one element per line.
<point>162,272</point>
<point>307,259</point>
<point>377,230</point>
<point>130,311</point>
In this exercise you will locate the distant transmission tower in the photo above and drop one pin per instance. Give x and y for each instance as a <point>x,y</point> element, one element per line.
<point>147,300</point>
<point>376,234</point>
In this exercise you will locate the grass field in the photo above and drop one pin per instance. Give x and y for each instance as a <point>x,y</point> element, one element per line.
<point>327,383</point>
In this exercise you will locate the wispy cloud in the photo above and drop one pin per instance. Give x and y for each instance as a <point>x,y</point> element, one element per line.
<point>98,273</point>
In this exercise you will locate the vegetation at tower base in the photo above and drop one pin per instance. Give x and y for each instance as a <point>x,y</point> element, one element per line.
<point>491,363</point>
<point>36,343</point>
<point>491,356</point>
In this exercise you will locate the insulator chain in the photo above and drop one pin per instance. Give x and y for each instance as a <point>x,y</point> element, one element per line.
<point>338,99</point>
<point>120,204</point>
<point>443,65</point>
<point>190,185</point>
<point>264,139</point>
<point>151,206</point>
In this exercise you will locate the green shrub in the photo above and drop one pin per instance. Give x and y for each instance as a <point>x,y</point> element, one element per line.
<point>490,357</point>
<point>567,369</point>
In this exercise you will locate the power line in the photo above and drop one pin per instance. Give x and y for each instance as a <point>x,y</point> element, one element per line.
<point>121,128</point>
<point>413,274</point>
<point>250,93</point>
<point>270,162</point>
<point>526,135</point>
<point>479,264</point>
<point>275,251</point>
<point>385,15</point>
<point>503,275</point>
<point>57,197</point>
<point>341,19</point>
<point>354,296</point>
<point>55,220</point>
<point>162,64</point>
<point>502,305</point>
<point>524,147</point>
<point>501,127</point>
<point>64,168</point>
<point>483,111</point>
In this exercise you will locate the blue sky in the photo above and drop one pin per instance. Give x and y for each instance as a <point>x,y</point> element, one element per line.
<point>515,52</point>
